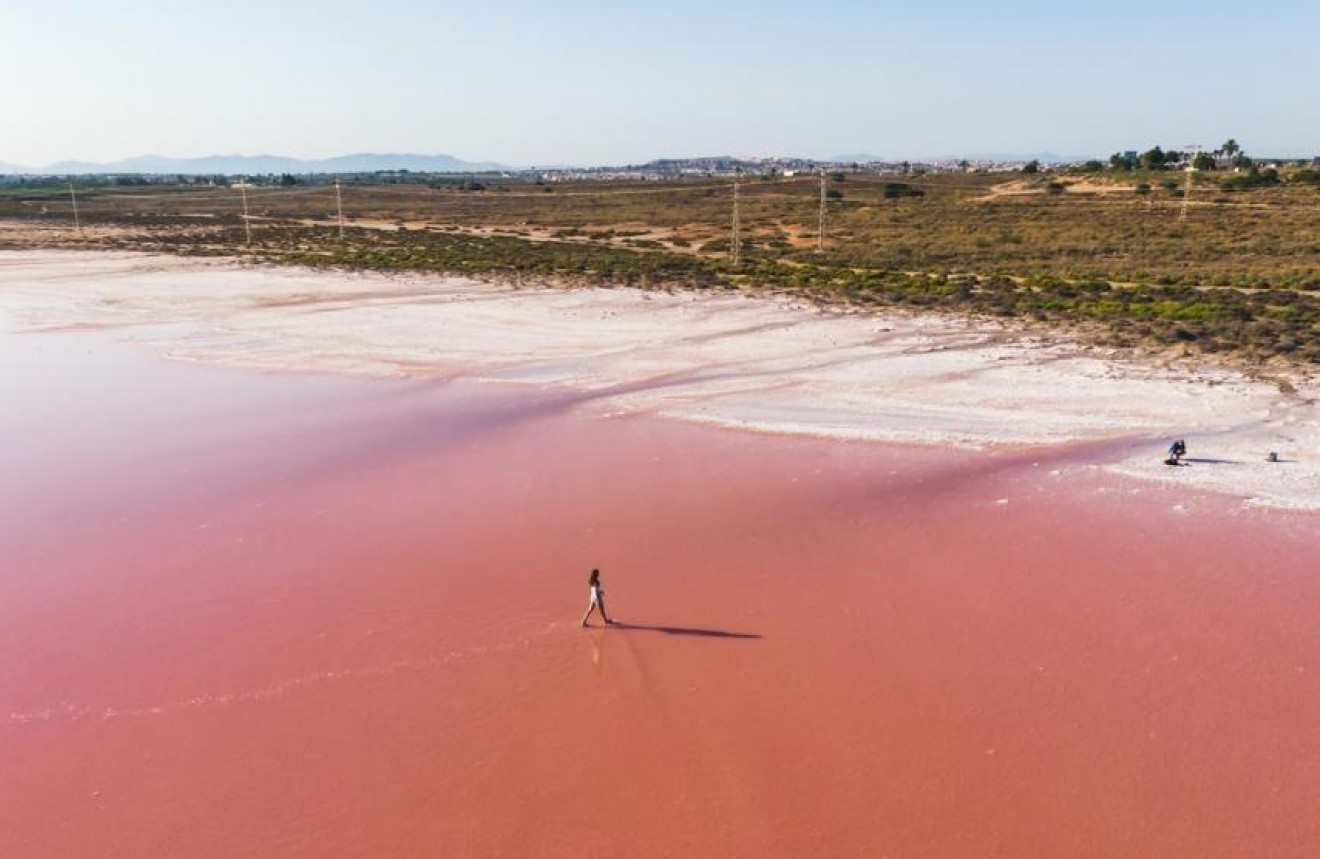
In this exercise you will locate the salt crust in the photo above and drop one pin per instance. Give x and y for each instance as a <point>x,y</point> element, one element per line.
<point>762,363</point>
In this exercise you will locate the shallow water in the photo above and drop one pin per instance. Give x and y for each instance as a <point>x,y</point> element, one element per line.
<point>253,614</point>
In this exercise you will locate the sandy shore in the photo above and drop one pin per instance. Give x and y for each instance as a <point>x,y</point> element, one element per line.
<point>758,363</point>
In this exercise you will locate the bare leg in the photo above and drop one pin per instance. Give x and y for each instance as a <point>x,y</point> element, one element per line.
<point>602,611</point>
<point>591,606</point>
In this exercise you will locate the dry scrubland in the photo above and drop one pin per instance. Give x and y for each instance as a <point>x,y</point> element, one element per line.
<point>1238,277</point>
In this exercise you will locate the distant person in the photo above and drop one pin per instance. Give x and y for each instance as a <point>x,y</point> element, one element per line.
<point>1177,451</point>
<point>597,599</point>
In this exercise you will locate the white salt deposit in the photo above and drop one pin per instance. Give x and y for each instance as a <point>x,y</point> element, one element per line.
<point>761,363</point>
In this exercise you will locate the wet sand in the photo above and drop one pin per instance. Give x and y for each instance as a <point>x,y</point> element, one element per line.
<point>248,614</point>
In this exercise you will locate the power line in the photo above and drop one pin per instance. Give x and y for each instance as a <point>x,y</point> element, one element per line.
<point>339,203</point>
<point>820,234</point>
<point>1195,150</point>
<point>247,223</point>
<point>735,243</point>
<point>77,223</point>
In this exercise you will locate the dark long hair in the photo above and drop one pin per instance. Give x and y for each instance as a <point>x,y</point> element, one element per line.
<point>595,577</point>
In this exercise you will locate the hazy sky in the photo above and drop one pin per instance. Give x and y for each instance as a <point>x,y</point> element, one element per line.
<point>589,81</point>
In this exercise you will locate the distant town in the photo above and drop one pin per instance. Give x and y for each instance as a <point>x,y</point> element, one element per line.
<point>445,170</point>
<point>661,170</point>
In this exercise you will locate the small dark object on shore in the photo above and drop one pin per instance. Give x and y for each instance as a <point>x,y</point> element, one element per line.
<point>1273,457</point>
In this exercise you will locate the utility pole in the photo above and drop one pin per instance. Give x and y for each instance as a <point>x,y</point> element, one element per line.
<point>73,198</point>
<point>247,224</point>
<point>735,240</point>
<point>820,233</point>
<point>339,203</point>
<point>1194,149</point>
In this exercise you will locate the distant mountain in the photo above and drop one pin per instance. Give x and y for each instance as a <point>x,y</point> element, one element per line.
<point>229,165</point>
<point>859,158</point>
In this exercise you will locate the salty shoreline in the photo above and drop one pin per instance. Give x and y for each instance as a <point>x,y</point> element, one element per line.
<point>772,365</point>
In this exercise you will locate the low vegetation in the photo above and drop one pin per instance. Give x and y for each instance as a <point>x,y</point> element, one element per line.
<point>1127,257</point>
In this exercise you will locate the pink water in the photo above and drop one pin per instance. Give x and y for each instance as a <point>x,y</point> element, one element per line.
<point>247,615</point>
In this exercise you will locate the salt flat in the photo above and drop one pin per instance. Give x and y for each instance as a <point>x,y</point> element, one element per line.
<point>764,363</point>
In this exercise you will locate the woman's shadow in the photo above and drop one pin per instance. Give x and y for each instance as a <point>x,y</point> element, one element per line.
<point>682,630</point>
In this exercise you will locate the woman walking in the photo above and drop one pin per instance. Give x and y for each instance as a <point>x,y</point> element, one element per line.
<point>597,599</point>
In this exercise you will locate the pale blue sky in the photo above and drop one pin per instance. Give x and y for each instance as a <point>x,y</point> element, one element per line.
<point>590,81</point>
